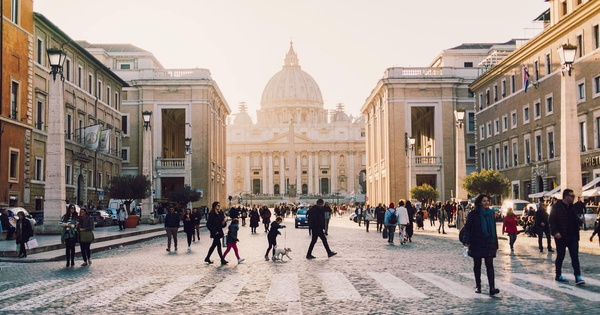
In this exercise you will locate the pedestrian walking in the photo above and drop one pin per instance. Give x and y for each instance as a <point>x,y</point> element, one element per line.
<point>172,227</point>
<point>510,226</point>
<point>10,230</point>
<point>442,216</point>
<point>215,223</point>
<point>596,231</point>
<point>390,220</point>
<point>402,222</point>
<point>197,216</point>
<point>86,236</point>
<point>481,239</point>
<point>24,231</point>
<point>460,216</point>
<point>449,209</point>
<point>359,214</point>
<point>232,239</point>
<point>244,215</point>
<point>327,212</point>
<point>189,227</point>
<point>368,216</point>
<point>272,237</point>
<point>317,225</point>
<point>379,216</point>
<point>411,219</point>
<point>543,227</point>
<point>564,226</point>
<point>266,216</point>
<point>419,220</point>
<point>432,214</point>
<point>122,216</point>
<point>254,220</point>
<point>69,223</point>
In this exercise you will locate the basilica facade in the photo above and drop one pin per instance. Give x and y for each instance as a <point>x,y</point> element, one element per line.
<point>297,150</point>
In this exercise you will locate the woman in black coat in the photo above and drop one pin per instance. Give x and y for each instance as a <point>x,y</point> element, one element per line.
<point>215,224</point>
<point>480,237</point>
<point>254,220</point>
<point>189,226</point>
<point>24,232</point>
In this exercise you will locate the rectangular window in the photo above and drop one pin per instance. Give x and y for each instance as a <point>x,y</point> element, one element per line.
<point>596,86</point>
<point>549,105</point>
<point>527,152</point>
<point>481,132</point>
<point>125,66</point>
<point>582,135</point>
<point>581,91</point>
<point>480,101</point>
<point>564,8</point>
<point>550,136</point>
<point>125,154</point>
<point>496,127</point>
<point>513,87</point>
<point>14,100</point>
<point>471,121</point>
<point>548,64</point>
<point>39,169</point>
<point>596,36</point>
<point>490,162</point>
<point>471,151</point>
<point>482,159</point>
<point>489,129</point>
<point>504,123</point>
<point>503,88</point>
<point>79,77</point>
<point>99,180</point>
<point>495,93</point>
<point>40,51</point>
<point>497,158</point>
<point>13,167</point>
<point>108,95</point>
<point>580,45</point>
<point>515,154</point>
<point>487,97</point>
<point>107,178</point>
<point>69,127</point>
<point>117,104</point>
<point>597,132</point>
<point>68,70</point>
<point>90,179</point>
<point>505,155</point>
<point>536,70</point>
<point>99,90</point>
<point>468,65</point>
<point>125,124</point>
<point>525,114</point>
<point>513,118</point>
<point>90,84</point>
<point>14,12</point>
<point>537,110</point>
<point>538,147</point>
<point>68,175</point>
<point>39,117</point>
<point>80,132</point>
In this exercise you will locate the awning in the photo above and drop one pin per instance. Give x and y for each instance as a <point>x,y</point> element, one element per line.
<point>538,195</point>
<point>591,184</point>
<point>591,192</point>
<point>553,192</point>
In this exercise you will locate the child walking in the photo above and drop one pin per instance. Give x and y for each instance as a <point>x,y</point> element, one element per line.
<point>232,239</point>
<point>272,237</point>
<point>510,226</point>
<point>596,231</point>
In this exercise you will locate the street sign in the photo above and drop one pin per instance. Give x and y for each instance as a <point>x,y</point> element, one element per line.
<point>153,192</point>
<point>100,195</point>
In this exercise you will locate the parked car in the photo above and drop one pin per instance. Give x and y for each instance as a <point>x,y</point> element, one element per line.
<point>591,213</point>
<point>113,215</point>
<point>101,218</point>
<point>301,218</point>
<point>516,205</point>
<point>39,218</point>
<point>352,217</point>
<point>497,214</point>
<point>13,211</point>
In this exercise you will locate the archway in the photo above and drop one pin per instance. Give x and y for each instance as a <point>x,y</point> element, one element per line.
<point>304,189</point>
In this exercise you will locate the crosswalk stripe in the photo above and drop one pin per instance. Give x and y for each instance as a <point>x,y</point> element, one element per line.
<point>170,291</point>
<point>395,286</point>
<point>294,308</point>
<point>54,295</point>
<point>227,290</point>
<point>26,288</point>
<point>560,287</point>
<point>591,281</point>
<point>450,286</point>
<point>108,296</point>
<point>284,287</point>
<point>514,290</point>
<point>338,287</point>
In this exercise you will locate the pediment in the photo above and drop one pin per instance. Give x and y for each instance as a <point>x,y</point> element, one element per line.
<point>284,139</point>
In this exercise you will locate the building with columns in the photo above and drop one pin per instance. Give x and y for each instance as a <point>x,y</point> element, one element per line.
<point>422,104</point>
<point>297,150</point>
<point>184,104</point>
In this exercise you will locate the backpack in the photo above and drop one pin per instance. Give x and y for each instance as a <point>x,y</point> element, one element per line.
<point>393,218</point>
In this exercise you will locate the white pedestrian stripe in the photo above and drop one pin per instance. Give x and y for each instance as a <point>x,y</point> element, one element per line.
<point>395,286</point>
<point>294,308</point>
<point>338,287</point>
<point>54,295</point>
<point>560,287</point>
<point>450,286</point>
<point>591,281</point>
<point>26,288</point>
<point>105,298</point>
<point>514,290</point>
<point>227,290</point>
<point>284,288</point>
<point>169,291</point>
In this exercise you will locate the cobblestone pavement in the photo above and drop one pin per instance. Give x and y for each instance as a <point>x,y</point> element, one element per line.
<point>368,276</point>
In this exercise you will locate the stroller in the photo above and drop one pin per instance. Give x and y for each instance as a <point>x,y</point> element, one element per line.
<point>419,220</point>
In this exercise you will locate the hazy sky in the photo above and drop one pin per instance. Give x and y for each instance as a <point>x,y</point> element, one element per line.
<point>345,45</point>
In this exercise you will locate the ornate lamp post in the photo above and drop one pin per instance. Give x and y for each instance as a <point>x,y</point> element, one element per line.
<point>461,164</point>
<point>570,168</point>
<point>147,166</point>
<point>409,148</point>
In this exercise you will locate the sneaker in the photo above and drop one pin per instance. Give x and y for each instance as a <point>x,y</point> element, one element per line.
<point>84,264</point>
<point>274,258</point>
<point>224,262</point>
<point>310,257</point>
<point>240,260</point>
<point>579,281</point>
<point>560,279</point>
<point>267,258</point>
<point>550,250</point>
<point>331,254</point>
<point>189,248</point>
<point>168,249</point>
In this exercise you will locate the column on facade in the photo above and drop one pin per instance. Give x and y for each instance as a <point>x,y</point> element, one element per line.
<point>247,186</point>
<point>317,182</point>
<point>282,187</point>
<point>332,169</point>
<point>352,172</point>
<point>310,173</point>
<point>298,175</point>
<point>270,174</point>
<point>264,174</point>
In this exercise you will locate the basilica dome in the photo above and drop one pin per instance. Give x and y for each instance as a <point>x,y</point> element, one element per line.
<point>291,87</point>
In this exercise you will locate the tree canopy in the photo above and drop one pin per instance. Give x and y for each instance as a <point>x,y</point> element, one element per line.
<point>129,188</point>
<point>487,182</point>
<point>184,195</point>
<point>424,192</point>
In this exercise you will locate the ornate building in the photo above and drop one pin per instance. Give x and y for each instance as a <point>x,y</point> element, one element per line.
<point>296,151</point>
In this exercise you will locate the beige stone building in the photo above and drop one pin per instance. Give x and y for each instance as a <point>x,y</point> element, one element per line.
<point>92,96</point>
<point>185,104</point>
<point>518,132</point>
<point>421,103</point>
<point>321,155</point>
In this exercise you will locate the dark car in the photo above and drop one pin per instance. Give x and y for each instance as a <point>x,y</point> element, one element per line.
<point>101,218</point>
<point>301,218</point>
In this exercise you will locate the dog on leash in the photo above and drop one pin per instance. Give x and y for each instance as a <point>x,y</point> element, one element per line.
<point>280,252</point>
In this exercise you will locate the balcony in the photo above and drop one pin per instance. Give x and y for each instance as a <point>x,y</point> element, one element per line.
<point>431,73</point>
<point>170,163</point>
<point>256,167</point>
<point>428,160</point>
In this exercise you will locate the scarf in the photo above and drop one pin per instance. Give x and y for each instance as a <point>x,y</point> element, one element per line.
<point>488,226</point>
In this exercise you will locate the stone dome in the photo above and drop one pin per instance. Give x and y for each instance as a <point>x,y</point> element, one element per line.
<point>291,87</point>
<point>340,117</point>
<point>242,119</point>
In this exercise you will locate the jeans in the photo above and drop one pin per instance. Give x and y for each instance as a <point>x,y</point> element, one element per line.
<point>70,247</point>
<point>512,237</point>
<point>441,226</point>
<point>327,226</point>
<point>391,230</point>
<point>121,225</point>
<point>171,233</point>
<point>541,230</point>
<point>572,243</point>
<point>85,251</point>
<point>272,244</point>
<point>318,234</point>
<point>189,234</point>
<point>367,224</point>
<point>379,225</point>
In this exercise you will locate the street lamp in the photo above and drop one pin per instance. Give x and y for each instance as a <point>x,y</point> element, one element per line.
<point>56,59</point>
<point>461,163</point>
<point>146,115</point>
<point>410,146</point>
<point>566,53</point>
<point>188,143</point>
<point>460,116</point>
<point>411,143</point>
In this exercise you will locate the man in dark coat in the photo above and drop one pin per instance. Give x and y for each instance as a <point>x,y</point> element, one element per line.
<point>564,226</point>
<point>580,210</point>
<point>541,221</point>
<point>10,230</point>
<point>380,216</point>
<point>317,225</point>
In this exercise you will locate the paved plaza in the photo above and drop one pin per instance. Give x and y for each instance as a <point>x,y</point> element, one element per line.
<point>368,276</point>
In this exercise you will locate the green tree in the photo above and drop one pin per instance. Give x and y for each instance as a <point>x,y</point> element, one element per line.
<point>129,188</point>
<point>487,182</point>
<point>424,192</point>
<point>184,195</point>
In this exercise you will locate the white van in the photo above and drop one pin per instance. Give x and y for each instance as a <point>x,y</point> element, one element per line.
<point>515,204</point>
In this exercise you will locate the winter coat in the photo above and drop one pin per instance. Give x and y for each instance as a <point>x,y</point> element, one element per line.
<point>541,216</point>
<point>316,217</point>
<point>189,225</point>
<point>24,230</point>
<point>388,214</point>
<point>254,218</point>
<point>87,223</point>
<point>368,215</point>
<point>215,225</point>
<point>232,234</point>
<point>509,225</point>
<point>402,216</point>
<point>564,220</point>
<point>172,220</point>
<point>479,247</point>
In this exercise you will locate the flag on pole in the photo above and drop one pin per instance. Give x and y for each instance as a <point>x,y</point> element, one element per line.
<point>525,77</point>
<point>104,142</point>
<point>92,137</point>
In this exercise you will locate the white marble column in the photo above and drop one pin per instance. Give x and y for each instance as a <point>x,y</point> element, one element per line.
<point>264,174</point>
<point>270,174</point>
<point>461,163</point>
<point>570,168</point>
<point>247,186</point>
<point>333,169</point>
<point>317,171</point>
<point>310,173</point>
<point>298,175</point>
<point>352,173</point>
<point>282,187</point>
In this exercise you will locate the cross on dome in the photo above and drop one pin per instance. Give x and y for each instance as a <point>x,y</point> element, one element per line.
<point>291,59</point>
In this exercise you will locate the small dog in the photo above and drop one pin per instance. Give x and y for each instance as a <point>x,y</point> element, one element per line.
<point>280,252</point>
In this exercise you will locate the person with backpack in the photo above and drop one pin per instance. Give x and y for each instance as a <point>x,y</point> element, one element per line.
<point>232,239</point>
<point>391,219</point>
<point>266,216</point>
<point>402,222</point>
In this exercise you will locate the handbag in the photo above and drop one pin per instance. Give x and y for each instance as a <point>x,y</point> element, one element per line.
<point>32,243</point>
<point>86,236</point>
<point>385,232</point>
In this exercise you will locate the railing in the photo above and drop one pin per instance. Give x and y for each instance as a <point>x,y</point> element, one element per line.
<point>431,72</point>
<point>256,168</point>
<point>170,163</point>
<point>428,160</point>
<point>324,167</point>
<point>182,73</point>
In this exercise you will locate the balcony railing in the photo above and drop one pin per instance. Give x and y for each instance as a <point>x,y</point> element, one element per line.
<point>428,160</point>
<point>170,163</point>
<point>431,72</point>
